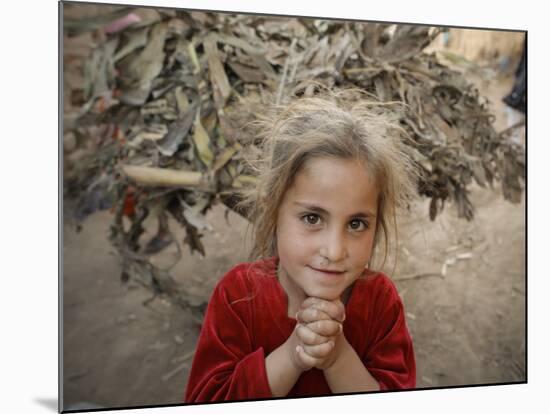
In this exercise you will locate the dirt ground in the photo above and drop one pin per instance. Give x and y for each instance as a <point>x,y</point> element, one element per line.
<point>468,326</point>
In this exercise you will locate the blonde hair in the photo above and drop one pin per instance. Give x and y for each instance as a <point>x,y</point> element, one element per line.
<point>347,124</point>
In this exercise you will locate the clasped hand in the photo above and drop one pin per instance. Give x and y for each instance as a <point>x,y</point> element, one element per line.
<point>318,334</point>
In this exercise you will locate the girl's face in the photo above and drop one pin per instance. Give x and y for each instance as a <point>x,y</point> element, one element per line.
<point>325,228</point>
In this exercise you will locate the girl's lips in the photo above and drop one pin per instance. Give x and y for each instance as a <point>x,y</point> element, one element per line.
<point>328,271</point>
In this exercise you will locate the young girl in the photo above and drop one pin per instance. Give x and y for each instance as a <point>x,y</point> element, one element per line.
<point>310,316</point>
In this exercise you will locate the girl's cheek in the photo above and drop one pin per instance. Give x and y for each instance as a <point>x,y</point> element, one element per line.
<point>300,229</point>
<point>301,241</point>
<point>363,245</point>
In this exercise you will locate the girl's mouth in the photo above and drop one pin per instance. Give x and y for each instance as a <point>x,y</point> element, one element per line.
<point>334,272</point>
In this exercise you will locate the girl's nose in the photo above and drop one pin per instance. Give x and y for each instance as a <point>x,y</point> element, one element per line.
<point>334,247</point>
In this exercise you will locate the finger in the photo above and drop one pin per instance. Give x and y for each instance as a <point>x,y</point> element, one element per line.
<point>298,361</point>
<point>325,328</point>
<point>311,314</point>
<point>305,358</point>
<point>319,351</point>
<point>335,309</point>
<point>309,337</point>
<point>319,309</point>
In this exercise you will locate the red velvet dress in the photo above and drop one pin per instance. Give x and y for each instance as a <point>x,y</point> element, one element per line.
<point>247,319</point>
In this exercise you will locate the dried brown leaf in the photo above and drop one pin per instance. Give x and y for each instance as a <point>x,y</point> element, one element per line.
<point>201,141</point>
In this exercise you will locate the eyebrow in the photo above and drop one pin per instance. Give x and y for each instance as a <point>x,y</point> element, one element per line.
<point>320,210</point>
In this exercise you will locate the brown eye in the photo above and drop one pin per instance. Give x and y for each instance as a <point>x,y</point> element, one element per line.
<point>311,219</point>
<point>358,225</point>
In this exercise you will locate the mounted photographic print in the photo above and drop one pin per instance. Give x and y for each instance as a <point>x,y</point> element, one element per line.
<point>259,207</point>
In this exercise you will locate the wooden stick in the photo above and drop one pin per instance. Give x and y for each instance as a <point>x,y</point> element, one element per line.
<point>418,276</point>
<point>285,70</point>
<point>180,367</point>
<point>163,177</point>
<point>510,129</point>
<point>183,357</point>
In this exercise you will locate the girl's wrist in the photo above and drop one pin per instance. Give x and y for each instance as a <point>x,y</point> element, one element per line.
<point>282,372</point>
<point>290,347</point>
<point>341,347</point>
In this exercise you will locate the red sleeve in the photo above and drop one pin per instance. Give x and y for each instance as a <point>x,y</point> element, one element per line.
<point>390,358</point>
<point>225,366</point>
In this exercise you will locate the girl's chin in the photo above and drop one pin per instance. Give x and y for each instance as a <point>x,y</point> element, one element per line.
<point>325,294</point>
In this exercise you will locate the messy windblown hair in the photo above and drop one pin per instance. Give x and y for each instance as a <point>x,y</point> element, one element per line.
<point>347,125</point>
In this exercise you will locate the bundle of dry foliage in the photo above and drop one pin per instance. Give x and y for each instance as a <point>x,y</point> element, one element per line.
<point>162,106</point>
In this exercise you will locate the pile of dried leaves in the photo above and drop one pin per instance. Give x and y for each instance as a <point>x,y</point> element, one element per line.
<point>159,103</point>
